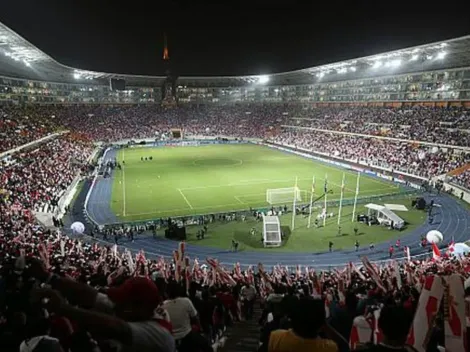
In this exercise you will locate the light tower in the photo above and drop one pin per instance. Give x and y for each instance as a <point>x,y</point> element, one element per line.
<point>166,56</point>
<point>169,85</point>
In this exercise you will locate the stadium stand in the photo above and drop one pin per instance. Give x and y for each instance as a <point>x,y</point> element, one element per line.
<point>64,293</point>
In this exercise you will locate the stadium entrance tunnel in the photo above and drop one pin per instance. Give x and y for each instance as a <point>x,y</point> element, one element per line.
<point>217,162</point>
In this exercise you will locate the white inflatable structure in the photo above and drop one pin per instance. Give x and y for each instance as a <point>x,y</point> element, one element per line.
<point>460,249</point>
<point>77,228</point>
<point>434,236</point>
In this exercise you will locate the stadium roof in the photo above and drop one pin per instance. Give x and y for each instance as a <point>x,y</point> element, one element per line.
<point>21,59</point>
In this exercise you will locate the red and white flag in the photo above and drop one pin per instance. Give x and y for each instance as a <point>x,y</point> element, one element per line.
<point>361,332</point>
<point>373,273</point>
<point>428,307</point>
<point>455,329</point>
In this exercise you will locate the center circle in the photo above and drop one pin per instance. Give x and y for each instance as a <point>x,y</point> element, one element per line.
<point>217,162</point>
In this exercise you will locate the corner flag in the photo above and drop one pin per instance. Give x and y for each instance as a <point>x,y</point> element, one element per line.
<point>326,185</point>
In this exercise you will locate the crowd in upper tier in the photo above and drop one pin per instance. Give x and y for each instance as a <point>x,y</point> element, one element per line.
<point>428,124</point>
<point>19,125</point>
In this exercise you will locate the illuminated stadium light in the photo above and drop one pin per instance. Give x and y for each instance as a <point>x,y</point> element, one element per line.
<point>343,70</point>
<point>377,64</point>
<point>395,63</point>
<point>414,58</point>
<point>353,69</point>
<point>76,76</point>
<point>441,55</point>
<point>263,79</point>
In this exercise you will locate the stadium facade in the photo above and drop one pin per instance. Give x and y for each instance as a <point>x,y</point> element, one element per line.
<point>437,73</point>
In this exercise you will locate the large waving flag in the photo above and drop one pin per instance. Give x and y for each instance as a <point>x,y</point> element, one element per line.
<point>436,253</point>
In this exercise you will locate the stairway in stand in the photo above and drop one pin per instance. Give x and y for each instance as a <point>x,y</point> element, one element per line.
<point>244,335</point>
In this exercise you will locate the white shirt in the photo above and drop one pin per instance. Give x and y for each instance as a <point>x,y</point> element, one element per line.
<point>180,310</point>
<point>248,292</point>
<point>147,336</point>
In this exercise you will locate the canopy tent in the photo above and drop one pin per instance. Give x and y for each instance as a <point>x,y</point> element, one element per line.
<point>385,215</point>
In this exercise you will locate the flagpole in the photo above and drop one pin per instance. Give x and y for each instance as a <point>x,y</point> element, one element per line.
<point>341,201</point>
<point>326,193</point>
<point>311,202</point>
<point>355,197</point>
<point>294,203</point>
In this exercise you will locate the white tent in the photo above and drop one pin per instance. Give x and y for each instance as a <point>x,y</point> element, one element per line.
<point>385,215</point>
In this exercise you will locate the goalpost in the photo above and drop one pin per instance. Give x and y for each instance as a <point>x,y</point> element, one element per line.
<point>284,195</point>
<point>271,231</point>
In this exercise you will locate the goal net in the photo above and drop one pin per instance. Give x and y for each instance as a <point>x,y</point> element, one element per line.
<point>283,195</point>
<point>271,231</point>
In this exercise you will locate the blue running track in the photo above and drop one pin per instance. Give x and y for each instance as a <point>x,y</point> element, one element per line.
<point>450,218</point>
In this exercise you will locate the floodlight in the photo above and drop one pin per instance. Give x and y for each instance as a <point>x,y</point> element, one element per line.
<point>76,76</point>
<point>353,69</point>
<point>377,64</point>
<point>263,79</point>
<point>395,63</point>
<point>414,58</point>
<point>441,55</point>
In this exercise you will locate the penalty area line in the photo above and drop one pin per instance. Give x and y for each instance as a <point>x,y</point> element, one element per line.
<point>239,200</point>
<point>185,199</point>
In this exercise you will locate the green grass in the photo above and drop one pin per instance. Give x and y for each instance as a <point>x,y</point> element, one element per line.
<point>207,179</point>
<point>303,239</point>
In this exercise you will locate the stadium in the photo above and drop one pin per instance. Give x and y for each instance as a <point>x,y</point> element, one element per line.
<point>358,164</point>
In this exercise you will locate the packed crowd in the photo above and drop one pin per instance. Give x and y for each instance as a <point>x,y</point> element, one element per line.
<point>80,296</point>
<point>399,156</point>
<point>462,179</point>
<point>35,179</point>
<point>23,124</point>
<point>111,123</point>
<point>83,297</point>
<point>429,124</point>
<point>19,125</point>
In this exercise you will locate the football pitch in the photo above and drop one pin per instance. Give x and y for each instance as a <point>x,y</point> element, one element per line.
<point>181,181</point>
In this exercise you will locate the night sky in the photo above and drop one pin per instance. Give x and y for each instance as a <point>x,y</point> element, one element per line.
<point>244,37</point>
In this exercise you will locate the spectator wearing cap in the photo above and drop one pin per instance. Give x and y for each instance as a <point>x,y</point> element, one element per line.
<point>127,315</point>
<point>307,319</point>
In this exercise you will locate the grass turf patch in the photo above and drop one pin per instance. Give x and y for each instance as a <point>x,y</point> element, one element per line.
<point>182,181</point>
<point>305,239</point>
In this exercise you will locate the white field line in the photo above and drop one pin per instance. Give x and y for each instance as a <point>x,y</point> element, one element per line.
<point>238,199</point>
<point>256,203</point>
<point>185,199</point>
<point>261,182</point>
<point>198,208</point>
<point>123,185</point>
